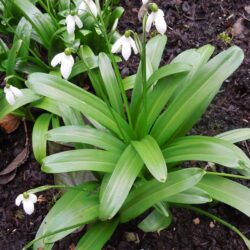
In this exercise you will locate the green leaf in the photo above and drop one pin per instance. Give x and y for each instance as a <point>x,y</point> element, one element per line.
<point>110,83</point>
<point>86,135</point>
<point>121,181</point>
<point>236,135</point>
<point>145,196</point>
<point>39,141</point>
<point>151,155</point>
<point>228,192</point>
<point>6,108</point>
<point>193,195</point>
<point>204,148</point>
<point>97,235</point>
<point>188,106</point>
<point>74,209</point>
<point>42,23</point>
<point>79,160</point>
<point>79,99</point>
<point>155,222</point>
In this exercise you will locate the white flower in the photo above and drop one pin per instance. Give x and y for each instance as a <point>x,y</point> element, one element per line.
<point>28,201</point>
<point>144,2</point>
<point>11,92</point>
<point>156,18</point>
<point>125,44</point>
<point>72,21</point>
<point>66,60</point>
<point>87,5</point>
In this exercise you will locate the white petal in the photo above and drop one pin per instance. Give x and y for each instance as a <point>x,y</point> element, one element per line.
<point>28,206</point>
<point>10,97</point>
<point>126,50</point>
<point>145,1</point>
<point>19,199</point>
<point>17,92</point>
<point>78,22</point>
<point>160,24</point>
<point>149,22</point>
<point>71,25</point>
<point>57,59</point>
<point>117,45</point>
<point>92,7</point>
<point>66,66</point>
<point>33,198</point>
<point>133,45</point>
<point>82,8</point>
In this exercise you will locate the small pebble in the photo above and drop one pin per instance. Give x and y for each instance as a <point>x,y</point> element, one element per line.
<point>196,221</point>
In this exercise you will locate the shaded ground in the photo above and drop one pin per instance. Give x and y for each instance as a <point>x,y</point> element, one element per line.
<point>191,24</point>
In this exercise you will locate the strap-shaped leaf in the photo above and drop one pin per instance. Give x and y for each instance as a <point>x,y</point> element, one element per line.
<point>73,96</point>
<point>152,156</point>
<point>228,192</point>
<point>155,222</point>
<point>110,83</point>
<point>204,148</point>
<point>74,208</point>
<point>190,104</point>
<point>86,135</point>
<point>28,97</point>
<point>79,160</point>
<point>121,181</point>
<point>39,141</point>
<point>144,197</point>
<point>42,23</point>
<point>236,135</point>
<point>193,195</point>
<point>97,235</point>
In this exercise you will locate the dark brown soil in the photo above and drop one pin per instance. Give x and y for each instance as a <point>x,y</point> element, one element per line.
<point>191,24</point>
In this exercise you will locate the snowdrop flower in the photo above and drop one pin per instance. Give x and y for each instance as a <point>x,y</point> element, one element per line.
<point>156,18</point>
<point>66,60</point>
<point>87,5</point>
<point>72,21</point>
<point>11,93</point>
<point>144,2</point>
<point>125,44</point>
<point>28,201</point>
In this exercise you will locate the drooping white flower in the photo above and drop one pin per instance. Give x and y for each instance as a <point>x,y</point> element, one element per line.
<point>72,21</point>
<point>156,18</point>
<point>87,5</point>
<point>67,62</point>
<point>28,201</point>
<point>11,93</point>
<point>125,44</point>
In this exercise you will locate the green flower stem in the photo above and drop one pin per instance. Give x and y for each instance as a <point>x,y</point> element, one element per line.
<point>215,218</point>
<point>228,175</point>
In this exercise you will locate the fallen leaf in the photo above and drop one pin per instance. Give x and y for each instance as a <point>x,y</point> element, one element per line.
<point>9,123</point>
<point>238,27</point>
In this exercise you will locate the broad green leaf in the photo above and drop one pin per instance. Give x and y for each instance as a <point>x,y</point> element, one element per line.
<point>228,192</point>
<point>97,235</point>
<point>193,195</point>
<point>204,148</point>
<point>79,160</point>
<point>129,82</point>
<point>86,135</point>
<point>74,208</point>
<point>79,99</point>
<point>23,32</point>
<point>152,156</point>
<point>189,105</point>
<point>145,196</point>
<point>167,70</point>
<point>110,83</point>
<point>236,135</point>
<point>121,181</point>
<point>155,222</point>
<point>6,108</point>
<point>42,23</point>
<point>39,141</point>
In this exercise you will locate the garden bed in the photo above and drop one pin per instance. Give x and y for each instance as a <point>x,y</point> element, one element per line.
<point>191,25</point>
